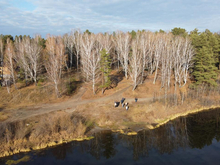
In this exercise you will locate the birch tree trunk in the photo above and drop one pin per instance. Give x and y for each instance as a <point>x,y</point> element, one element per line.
<point>9,60</point>
<point>136,64</point>
<point>77,45</point>
<point>90,58</point>
<point>123,47</point>
<point>54,61</point>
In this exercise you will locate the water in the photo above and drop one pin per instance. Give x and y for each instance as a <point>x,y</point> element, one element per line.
<point>187,140</point>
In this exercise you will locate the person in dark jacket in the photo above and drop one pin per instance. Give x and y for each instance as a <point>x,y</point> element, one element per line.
<point>116,104</point>
<point>136,99</point>
<point>122,100</point>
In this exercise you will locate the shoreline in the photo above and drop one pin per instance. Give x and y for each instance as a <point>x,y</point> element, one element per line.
<point>122,131</point>
<point>44,146</point>
<point>172,117</point>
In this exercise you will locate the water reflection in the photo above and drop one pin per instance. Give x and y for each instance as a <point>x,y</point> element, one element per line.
<point>183,134</point>
<point>103,145</point>
<point>203,128</point>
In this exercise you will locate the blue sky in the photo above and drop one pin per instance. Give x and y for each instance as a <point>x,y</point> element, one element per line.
<point>57,17</point>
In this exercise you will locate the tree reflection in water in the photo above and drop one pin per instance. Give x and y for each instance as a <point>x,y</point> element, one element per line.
<point>194,131</point>
<point>203,128</point>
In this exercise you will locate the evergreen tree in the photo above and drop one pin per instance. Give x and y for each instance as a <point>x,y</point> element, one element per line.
<point>105,64</point>
<point>133,34</point>
<point>205,70</point>
<point>161,31</point>
<point>217,54</point>
<point>214,45</point>
<point>179,32</point>
<point>87,31</point>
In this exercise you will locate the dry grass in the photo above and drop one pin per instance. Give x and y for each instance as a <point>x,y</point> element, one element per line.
<point>40,132</point>
<point>27,96</point>
<point>3,116</point>
<point>33,95</point>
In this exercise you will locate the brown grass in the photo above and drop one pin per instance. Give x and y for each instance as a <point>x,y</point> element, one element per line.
<point>40,132</point>
<point>3,116</point>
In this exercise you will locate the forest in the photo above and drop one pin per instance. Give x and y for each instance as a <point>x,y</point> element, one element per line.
<point>173,58</point>
<point>183,68</point>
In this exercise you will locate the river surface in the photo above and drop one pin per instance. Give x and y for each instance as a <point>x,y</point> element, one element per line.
<point>187,140</point>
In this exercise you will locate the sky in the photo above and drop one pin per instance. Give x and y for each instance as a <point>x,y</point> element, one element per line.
<point>57,17</point>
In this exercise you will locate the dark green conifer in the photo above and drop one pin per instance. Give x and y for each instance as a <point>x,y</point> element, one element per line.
<point>105,64</point>
<point>205,70</point>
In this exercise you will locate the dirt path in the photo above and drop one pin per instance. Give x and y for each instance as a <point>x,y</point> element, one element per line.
<point>69,105</point>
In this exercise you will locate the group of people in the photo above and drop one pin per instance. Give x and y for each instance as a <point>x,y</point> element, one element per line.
<point>123,103</point>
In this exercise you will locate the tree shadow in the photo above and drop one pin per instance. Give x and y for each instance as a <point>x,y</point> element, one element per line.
<point>72,87</point>
<point>116,78</point>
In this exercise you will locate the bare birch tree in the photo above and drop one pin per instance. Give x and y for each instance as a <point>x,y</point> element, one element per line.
<point>188,52</point>
<point>106,41</point>
<point>136,65</point>
<point>123,49</point>
<point>34,56</point>
<point>54,60</point>
<point>157,53</point>
<point>176,46</point>
<point>77,46</point>
<point>9,60</point>
<point>28,55</point>
<point>1,61</point>
<point>143,37</point>
<point>1,49</point>
<point>90,58</point>
<point>21,57</point>
<point>69,45</point>
<point>166,63</point>
<point>150,37</point>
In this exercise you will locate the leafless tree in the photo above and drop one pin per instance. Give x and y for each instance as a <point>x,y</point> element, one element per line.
<point>123,49</point>
<point>176,46</point>
<point>150,37</point>
<point>187,53</point>
<point>68,43</point>
<point>136,59</point>
<point>1,59</point>
<point>77,45</point>
<point>9,62</point>
<point>106,41</point>
<point>21,57</point>
<point>33,50</point>
<point>143,37</point>
<point>28,55</point>
<point>71,44</point>
<point>166,62</point>
<point>158,50</point>
<point>1,48</point>
<point>90,58</point>
<point>54,60</point>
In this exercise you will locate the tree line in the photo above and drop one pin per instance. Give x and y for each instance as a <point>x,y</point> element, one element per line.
<point>168,56</point>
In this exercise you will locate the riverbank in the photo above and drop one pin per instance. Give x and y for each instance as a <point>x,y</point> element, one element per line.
<point>77,118</point>
<point>43,146</point>
<point>172,117</point>
<point>41,132</point>
<point>57,138</point>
